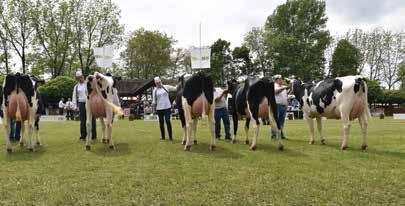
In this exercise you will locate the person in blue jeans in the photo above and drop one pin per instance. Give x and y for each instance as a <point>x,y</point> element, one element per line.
<point>281,96</point>
<point>221,112</point>
<point>15,131</point>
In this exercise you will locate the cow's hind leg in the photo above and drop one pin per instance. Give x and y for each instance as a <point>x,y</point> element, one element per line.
<point>36,131</point>
<point>6,124</point>
<point>89,118</point>
<point>363,124</point>
<point>275,128</point>
<point>194,132</point>
<point>211,125</point>
<point>319,125</point>
<point>235,126</point>
<point>30,130</point>
<point>310,123</point>
<point>109,127</point>
<point>103,131</point>
<point>247,130</point>
<point>189,123</point>
<point>256,127</point>
<point>346,130</point>
<point>22,132</point>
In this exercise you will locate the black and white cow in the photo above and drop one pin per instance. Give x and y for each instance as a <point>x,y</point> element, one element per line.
<point>195,98</point>
<point>21,101</point>
<point>254,99</point>
<point>102,102</point>
<point>340,98</point>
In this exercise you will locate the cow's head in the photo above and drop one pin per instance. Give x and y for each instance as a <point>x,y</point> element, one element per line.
<point>232,85</point>
<point>296,87</point>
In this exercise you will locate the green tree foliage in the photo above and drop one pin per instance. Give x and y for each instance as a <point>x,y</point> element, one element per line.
<point>57,88</point>
<point>375,91</point>
<point>147,54</point>
<point>345,60</point>
<point>254,41</point>
<point>401,75</point>
<point>242,62</point>
<point>394,96</point>
<point>296,38</point>
<point>220,61</point>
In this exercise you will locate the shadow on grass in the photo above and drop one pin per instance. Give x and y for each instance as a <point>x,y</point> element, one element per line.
<point>272,148</point>
<point>121,149</point>
<point>219,152</point>
<point>23,154</point>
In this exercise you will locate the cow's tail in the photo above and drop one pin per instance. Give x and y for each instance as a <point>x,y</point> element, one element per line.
<point>364,91</point>
<point>116,109</point>
<point>18,117</point>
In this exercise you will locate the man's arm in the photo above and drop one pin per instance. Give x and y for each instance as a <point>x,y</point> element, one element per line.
<point>218,98</point>
<point>280,89</point>
<point>170,88</point>
<point>74,98</point>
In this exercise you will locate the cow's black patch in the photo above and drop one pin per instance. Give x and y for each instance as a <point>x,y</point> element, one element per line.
<point>89,88</point>
<point>9,86</point>
<point>198,84</point>
<point>104,94</point>
<point>238,103</point>
<point>108,89</point>
<point>99,85</point>
<point>325,92</point>
<point>179,106</point>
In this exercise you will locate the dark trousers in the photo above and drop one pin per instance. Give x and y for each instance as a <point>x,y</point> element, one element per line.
<point>164,115</point>
<point>83,118</point>
<point>281,112</point>
<point>69,114</point>
<point>15,130</point>
<point>222,113</point>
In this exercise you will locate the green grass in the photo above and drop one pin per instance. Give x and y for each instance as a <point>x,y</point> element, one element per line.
<point>145,171</point>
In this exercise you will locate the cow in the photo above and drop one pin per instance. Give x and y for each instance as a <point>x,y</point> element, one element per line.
<point>21,101</point>
<point>254,99</point>
<point>196,97</point>
<point>338,98</point>
<point>102,102</point>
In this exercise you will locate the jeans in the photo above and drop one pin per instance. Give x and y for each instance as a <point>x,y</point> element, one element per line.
<point>83,118</point>
<point>281,112</point>
<point>15,130</point>
<point>164,115</point>
<point>222,113</point>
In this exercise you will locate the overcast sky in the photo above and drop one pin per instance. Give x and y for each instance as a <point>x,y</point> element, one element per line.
<point>231,19</point>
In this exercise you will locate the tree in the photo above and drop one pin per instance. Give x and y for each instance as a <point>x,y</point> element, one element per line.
<point>296,38</point>
<point>375,92</point>
<point>181,63</point>
<point>220,61</point>
<point>401,75</point>
<point>254,41</point>
<point>345,59</point>
<point>147,54</point>
<point>242,62</point>
<point>54,35</point>
<point>16,21</point>
<point>95,24</point>
<point>392,57</point>
<point>57,88</point>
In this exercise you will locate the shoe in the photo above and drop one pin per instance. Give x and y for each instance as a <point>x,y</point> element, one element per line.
<point>170,139</point>
<point>228,138</point>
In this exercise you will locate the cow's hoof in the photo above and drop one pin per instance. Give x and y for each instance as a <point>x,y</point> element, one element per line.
<point>343,147</point>
<point>281,147</point>
<point>39,144</point>
<point>233,141</point>
<point>253,148</point>
<point>364,147</point>
<point>195,142</point>
<point>9,151</point>
<point>212,147</point>
<point>107,141</point>
<point>88,147</point>
<point>183,142</point>
<point>31,149</point>
<point>104,141</point>
<point>187,148</point>
<point>111,147</point>
<point>21,144</point>
<point>247,141</point>
<point>312,142</point>
<point>322,141</point>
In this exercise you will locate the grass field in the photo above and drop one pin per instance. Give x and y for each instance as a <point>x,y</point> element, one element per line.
<point>146,171</point>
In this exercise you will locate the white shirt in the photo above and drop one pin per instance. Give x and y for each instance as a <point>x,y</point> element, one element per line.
<point>81,89</point>
<point>160,97</point>
<point>61,104</point>
<point>222,102</point>
<point>69,105</point>
<point>282,97</point>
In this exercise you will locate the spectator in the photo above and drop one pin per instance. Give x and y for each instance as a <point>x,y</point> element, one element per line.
<point>61,106</point>
<point>79,100</point>
<point>161,104</point>
<point>221,113</point>
<point>282,103</point>
<point>69,106</point>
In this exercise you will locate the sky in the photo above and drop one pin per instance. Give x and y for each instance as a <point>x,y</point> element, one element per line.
<point>232,19</point>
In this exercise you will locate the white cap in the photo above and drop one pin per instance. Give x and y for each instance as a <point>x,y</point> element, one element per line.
<point>156,79</point>
<point>79,73</point>
<point>277,76</point>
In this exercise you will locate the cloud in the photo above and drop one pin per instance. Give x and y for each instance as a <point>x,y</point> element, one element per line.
<point>232,19</point>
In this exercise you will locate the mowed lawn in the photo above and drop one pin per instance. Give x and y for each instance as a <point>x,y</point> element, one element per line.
<point>146,171</point>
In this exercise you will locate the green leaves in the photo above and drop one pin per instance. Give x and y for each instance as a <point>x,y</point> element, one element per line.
<point>345,60</point>
<point>57,88</point>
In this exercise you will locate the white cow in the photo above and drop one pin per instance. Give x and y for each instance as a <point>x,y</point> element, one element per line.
<point>340,98</point>
<point>102,102</point>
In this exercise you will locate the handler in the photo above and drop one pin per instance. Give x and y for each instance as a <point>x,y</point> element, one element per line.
<point>282,103</point>
<point>79,101</point>
<point>162,105</point>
